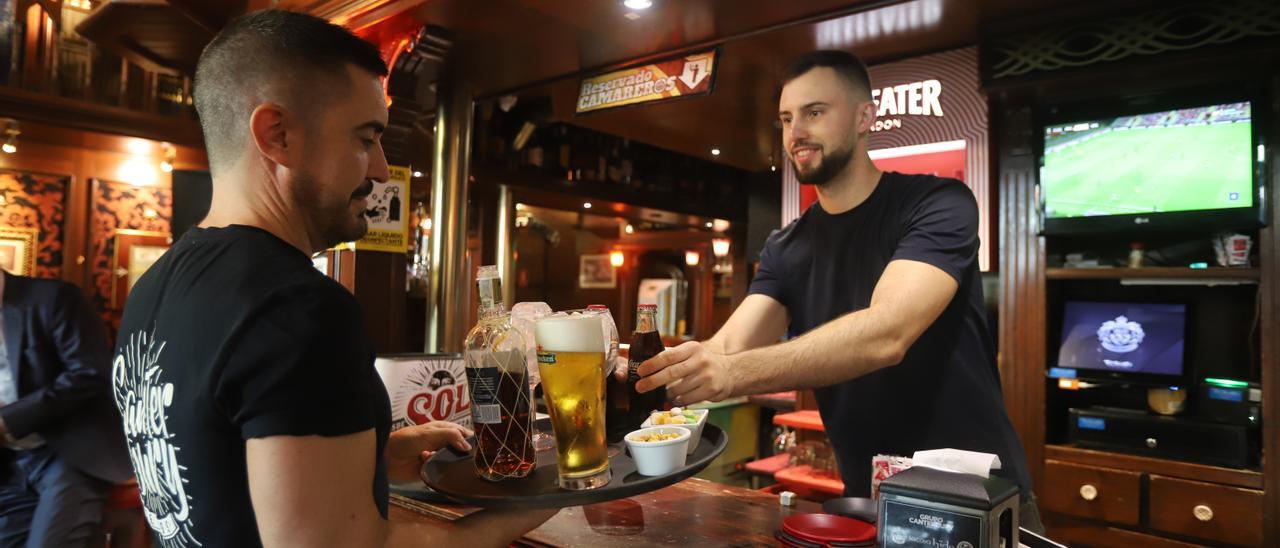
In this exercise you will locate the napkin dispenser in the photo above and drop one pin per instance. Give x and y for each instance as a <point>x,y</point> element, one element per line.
<point>923,506</point>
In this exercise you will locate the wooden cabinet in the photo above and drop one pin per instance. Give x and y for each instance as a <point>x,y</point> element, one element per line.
<point>1244,502</point>
<point>1208,511</point>
<point>1089,492</point>
<point>1095,498</point>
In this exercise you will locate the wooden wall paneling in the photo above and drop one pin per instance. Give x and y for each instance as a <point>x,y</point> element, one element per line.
<point>380,289</point>
<point>83,156</point>
<point>120,206</point>
<point>37,201</point>
<point>1021,322</point>
<point>1269,331</point>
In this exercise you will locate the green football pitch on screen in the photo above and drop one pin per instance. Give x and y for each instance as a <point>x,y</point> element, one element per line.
<point>1148,170</point>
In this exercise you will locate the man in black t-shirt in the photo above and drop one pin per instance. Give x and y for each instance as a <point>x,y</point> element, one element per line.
<point>251,407</point>
<point>878,288</point>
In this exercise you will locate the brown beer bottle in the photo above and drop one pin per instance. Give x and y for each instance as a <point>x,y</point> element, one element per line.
<point>645,343</point>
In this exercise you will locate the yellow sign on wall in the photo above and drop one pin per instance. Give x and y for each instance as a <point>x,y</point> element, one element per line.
<point>387,212</point>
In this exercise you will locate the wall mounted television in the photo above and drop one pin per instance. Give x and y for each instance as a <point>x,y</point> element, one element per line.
<point>1188,168</point>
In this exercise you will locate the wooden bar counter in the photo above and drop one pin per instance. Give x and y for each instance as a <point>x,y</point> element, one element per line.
<point>694,512</point>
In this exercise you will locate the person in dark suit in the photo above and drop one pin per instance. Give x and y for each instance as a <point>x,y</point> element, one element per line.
<point>61,442</point>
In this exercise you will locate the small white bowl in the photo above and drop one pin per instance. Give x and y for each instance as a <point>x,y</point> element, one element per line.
<point>656,458</point>
<point>695,428</point>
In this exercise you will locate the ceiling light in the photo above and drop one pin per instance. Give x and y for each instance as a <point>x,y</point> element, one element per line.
<point>715,152</point>
<point>616,258</point>
<point>137,172</point>
<point>629,229</point>
<point>138,146</point>
<point>11,133</point>
<point>692,258</point>
<point>773,168</point>
<point>721,225</point>
<point>586,205</point>
<point>637,4</point>
<point>417,174</point>
<point>170,154</point>
<point>720,247</point>
<point>709,224</point>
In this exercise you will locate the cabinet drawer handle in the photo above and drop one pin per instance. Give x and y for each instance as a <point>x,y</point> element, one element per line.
<point>1202,512</point>
<point>1088,492</point>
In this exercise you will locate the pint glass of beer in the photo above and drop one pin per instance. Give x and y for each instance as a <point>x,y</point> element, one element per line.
<point>571,361</point>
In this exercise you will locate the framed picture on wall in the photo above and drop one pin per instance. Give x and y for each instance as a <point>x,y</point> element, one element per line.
<point>596,272</point>
<point>18,250</point>
<point>135,252</point>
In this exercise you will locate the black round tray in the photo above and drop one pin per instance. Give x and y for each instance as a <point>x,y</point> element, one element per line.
<point>453,474</point>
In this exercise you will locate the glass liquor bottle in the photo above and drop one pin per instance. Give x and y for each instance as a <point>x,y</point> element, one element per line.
<point>498,380</point>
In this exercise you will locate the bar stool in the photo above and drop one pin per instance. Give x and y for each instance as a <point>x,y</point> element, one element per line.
<point>123,523</point>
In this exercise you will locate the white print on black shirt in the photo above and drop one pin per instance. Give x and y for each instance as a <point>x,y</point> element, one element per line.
<point>142,400</point>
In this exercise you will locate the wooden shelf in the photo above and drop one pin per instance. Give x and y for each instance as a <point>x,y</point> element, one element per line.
<point>1251,479</point>
<point>804,420</point>
<point>1155,272</point>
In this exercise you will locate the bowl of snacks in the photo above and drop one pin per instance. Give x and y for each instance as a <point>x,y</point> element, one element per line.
<point>692,419</point>
<point>658,450</point>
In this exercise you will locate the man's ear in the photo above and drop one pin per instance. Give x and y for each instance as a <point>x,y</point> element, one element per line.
<point>270,137</point>
<point>866,116</point>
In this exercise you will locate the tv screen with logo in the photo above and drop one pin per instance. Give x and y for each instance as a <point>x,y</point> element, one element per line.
<point>1120,339</point>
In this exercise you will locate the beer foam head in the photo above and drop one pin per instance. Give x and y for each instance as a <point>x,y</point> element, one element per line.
<point>570,333</point>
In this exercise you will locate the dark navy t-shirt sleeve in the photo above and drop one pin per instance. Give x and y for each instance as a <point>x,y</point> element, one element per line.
<point>767,281</point>
<point>298,368</point>
<point>942,229</point>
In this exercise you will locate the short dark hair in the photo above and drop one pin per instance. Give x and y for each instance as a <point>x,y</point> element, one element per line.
<point>266,51</point>
<point>846,64</point>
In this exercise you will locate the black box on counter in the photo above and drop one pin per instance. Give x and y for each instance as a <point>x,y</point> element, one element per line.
<point>927,507</point>
<point>1177,438</point>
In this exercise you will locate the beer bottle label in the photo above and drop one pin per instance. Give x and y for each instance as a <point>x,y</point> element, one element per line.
<point>633,371</point>
<point>485,406</point>
<point>546,358</point>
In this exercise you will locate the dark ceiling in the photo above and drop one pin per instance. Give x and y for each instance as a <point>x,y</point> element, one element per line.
<point>536,48</point>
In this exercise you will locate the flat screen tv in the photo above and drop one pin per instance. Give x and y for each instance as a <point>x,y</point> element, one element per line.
<point>1142,343</point>
<point>1187,168</point>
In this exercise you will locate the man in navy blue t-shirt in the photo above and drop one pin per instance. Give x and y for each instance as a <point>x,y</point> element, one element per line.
<point>876,286</point>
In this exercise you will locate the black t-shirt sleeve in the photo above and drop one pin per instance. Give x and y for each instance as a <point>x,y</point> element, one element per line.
<point>942,229</point>
<point>300,367</point>
<point>767,281</point>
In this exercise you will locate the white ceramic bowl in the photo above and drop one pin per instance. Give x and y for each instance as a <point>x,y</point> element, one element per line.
<point>656,458</point>
<point>695,429</point>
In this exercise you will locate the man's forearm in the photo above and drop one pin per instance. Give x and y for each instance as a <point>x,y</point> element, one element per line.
<point>845,348</point>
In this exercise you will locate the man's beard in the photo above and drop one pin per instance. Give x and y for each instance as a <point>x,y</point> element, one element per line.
<point>830,166</point>
<point>333,221</point>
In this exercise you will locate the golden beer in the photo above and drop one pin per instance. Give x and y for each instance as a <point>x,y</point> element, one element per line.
<point>572,365</point>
